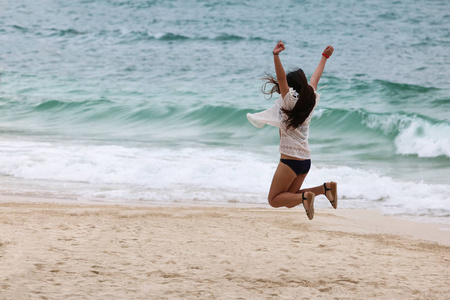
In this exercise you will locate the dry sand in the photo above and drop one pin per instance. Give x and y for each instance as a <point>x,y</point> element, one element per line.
<point>53,251</point>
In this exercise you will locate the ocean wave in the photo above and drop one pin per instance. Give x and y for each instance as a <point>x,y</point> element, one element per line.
<point>136,5</point>
<point>196,115</point>
<point>172,37</point>
<point>389,89</point>
<point>133,36</point>
<point>402,88</point>
<point>414,134</point>
<point>65,108</point>
<point>137,36</point>
<point>54,105</point>
<point>20,28</point>
<point>221,37</point>
<point>410,134</point>
<point>228,37</point>
<point>125,36</point>
<point>49,32</point>
<point>441,102</point>
<point>66,32</point>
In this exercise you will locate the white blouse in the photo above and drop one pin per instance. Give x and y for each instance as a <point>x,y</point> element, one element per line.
<point>292,142</point>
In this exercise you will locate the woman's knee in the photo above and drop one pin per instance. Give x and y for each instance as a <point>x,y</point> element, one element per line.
<point>272,202</point>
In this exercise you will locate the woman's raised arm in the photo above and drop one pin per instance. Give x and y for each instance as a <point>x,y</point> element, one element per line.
<point>314,81</point>
<point>279,70</point>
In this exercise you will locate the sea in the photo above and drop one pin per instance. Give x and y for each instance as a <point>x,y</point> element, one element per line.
<point>137,102</point>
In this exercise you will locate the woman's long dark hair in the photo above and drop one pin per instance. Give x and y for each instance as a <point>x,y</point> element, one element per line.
<point>306,97</point>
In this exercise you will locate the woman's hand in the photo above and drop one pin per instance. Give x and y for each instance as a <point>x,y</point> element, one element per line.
<point>281,74</point>
<point>278,48</point>
<point>314,81</point>
<point>328,51</point>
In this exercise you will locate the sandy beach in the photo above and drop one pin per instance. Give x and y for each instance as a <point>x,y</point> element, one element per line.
<point>56,251</point>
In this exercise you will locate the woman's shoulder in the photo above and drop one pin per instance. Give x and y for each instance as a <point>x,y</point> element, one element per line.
<point>291,95</point>
<point>314,89</point>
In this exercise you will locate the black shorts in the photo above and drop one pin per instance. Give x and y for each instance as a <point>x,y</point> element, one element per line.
<point>298,166</point>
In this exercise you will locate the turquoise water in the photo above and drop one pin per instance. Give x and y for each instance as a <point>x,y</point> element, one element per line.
<point>146,100</point>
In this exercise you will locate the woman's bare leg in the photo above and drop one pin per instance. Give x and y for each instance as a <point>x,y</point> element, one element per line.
<point>318,190</point>
<point>330,193</point>
<point>281,192</point>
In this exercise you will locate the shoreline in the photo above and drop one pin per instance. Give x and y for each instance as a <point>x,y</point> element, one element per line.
<point>368,218</point>
<point>370,221</point>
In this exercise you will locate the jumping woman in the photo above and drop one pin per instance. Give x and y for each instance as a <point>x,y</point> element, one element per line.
<point>292,114</point>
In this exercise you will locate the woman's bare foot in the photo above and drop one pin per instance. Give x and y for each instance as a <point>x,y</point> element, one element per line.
<point>308,204</point>
<point>331,193</point>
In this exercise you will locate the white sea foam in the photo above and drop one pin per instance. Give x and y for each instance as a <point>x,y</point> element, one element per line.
<point>130,174</point>
<point>138,172</point>
<point>367,189</point>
